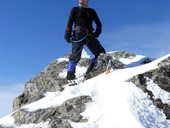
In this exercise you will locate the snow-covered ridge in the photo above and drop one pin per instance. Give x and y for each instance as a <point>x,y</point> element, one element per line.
<point>116,103</point>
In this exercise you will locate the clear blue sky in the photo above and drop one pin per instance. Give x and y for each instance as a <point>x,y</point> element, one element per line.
<point>32,31</point>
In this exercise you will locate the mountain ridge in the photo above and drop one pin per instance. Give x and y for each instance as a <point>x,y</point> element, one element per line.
<point>72,109</point>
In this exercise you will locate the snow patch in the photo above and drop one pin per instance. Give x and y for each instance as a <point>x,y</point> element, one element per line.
<point>62,59</point>
<point>145,111</point>
<point>85,54</point>
<point>39,125</point>
<point>7,121</point>
<point>131,61</point>
<point>79,72</point>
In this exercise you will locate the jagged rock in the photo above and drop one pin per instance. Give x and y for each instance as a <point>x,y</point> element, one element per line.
<point>101,65</point>
<point>57,117</point>
<point>163,82</point>
<point>122,54</point>
<point>161,77</point>
<point>166,110</point>
<point>49,79</point>
<point>59,123</point>
<point>158,103</point>
<point>165,62</point>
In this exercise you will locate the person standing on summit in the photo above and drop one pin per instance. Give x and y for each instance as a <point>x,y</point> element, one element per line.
<point>82,34</point>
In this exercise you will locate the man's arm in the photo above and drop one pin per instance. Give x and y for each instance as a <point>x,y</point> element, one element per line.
<point>98,24</point>
<point>69,26</point>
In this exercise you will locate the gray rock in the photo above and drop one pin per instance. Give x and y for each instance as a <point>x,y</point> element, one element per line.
<point>49,81</point>
<point>58,116</point>
<point>166,110</point>
<point>122,54</point>
<point>101,65</point>
<point>161,77</point>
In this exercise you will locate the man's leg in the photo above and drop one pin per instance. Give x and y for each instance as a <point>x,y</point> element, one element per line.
<point>73,60</point>
<point>96,48</point>
<point>91,66</point>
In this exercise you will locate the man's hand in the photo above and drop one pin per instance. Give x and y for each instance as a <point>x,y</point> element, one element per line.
<point>67,38</point>
<point>95,34</point>
<point>67,35</point>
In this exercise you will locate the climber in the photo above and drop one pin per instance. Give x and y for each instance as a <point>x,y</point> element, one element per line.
<point>82,34</point>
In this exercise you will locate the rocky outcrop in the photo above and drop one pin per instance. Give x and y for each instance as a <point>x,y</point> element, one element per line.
<point>161,77</point>
<point>49,80</point>
<point>122,54</point>
<point>58,117</point>
<point>101,65</point>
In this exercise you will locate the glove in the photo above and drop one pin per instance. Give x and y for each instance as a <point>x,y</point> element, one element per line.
<point>67,36</point>
<point>97,32</point>
<point>67,39</point>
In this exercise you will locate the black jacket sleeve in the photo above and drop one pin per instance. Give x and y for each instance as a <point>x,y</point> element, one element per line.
<point>71,19</point>
<point>69,26</point>
<point>98,24</point>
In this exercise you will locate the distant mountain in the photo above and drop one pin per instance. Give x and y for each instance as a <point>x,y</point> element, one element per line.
<point>135,94</point>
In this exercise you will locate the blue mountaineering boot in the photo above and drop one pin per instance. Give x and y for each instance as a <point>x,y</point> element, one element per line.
<point>71,70</point>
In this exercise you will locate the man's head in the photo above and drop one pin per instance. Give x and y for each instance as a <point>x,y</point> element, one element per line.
<point>83,3</point>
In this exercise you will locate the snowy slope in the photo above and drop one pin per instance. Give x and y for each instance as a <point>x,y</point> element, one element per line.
<point>116,103</point>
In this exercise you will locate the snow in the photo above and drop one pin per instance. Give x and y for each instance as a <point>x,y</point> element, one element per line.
<point>7,120</point>
<point>83,55</point>
<point>81,70</point>
<point>147,113</point>
<point>39,125</point>
<point>158,92</point>
<point>111,110</point>
<point>116,103</point>
<point>131,61</point>
<point>62,59</point>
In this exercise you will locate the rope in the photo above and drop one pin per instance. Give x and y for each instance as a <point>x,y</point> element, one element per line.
<point>78,41</point>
